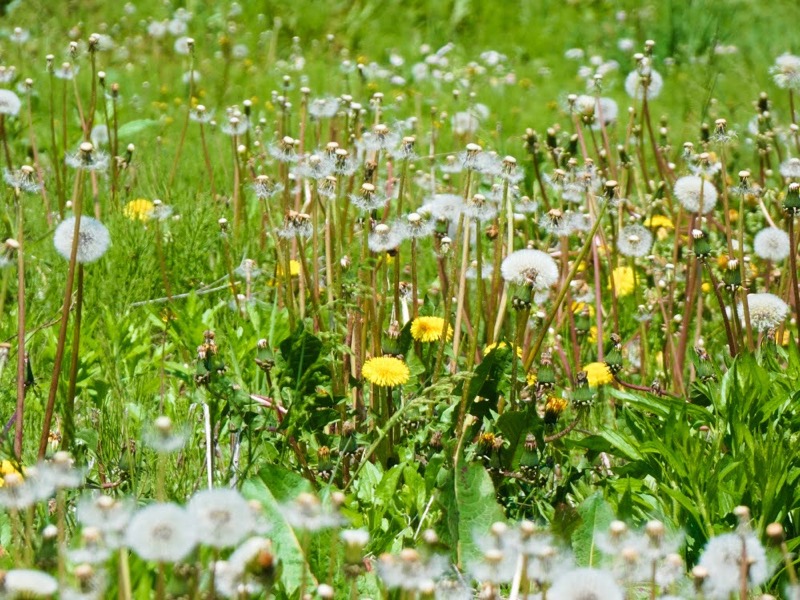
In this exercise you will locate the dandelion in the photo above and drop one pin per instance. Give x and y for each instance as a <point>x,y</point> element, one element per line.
<point>222,517</point>
<point>296,225</point>
<point>429,329</point>
<point>66,72</point>
<point>772,244</point>
<point>635,84</point>
<point>87,158</point>
<point>323,108</point>
<point>635,241</point>
<point>479,208</point>
<point>9,103</point>
<point>767,311</point>
<point>722,559</point>
<point>385,371</point>
<point>309,514</point>
<point>383,238</point>
<point>408,570</point>
<point>28,583</point>
<point>530,267</point>
<point>444,207</point>
<point>93,239</point>
<point>368,199</point>
<point>163,437</point>
<point>415,227</point>
<point>586,584</point>
<point>109,516</point>
<point>597,374</point>
<point>658,221</point>
<point>691,190</point>
<point>235,126</point>
<point>61,472</point>
<point>22,179</point>
<point>786,71</point>
<point>623,280</point>
<point>790,168</point>
<point>99,135</point>
<point>138,210</point>
<point>162,532</point>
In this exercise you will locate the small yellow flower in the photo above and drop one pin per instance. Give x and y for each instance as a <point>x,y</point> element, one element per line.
<point>578,307</point>
<point>623,281</point>
<point>385,371</point>
<point>6,468</point>
<point>657,221</point>
<point>531,378</point>
<point>294,268</point>
<point>494,345</point>
<point>706,287</point>
<point>593,334</point>
<point>554,407</point>
<point>429,329</point>
<point>598,373</point>
<point>138,210</point>
<point>782,340</point>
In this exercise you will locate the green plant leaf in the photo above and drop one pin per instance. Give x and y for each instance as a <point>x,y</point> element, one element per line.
<point>131,128</point>
<point>273,487</point>
<point>596,515</point>
<point>476,509</point>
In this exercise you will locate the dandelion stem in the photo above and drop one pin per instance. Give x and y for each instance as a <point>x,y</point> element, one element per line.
<point>21,375</point>
<point>62,332</point>
<point>69,404</point>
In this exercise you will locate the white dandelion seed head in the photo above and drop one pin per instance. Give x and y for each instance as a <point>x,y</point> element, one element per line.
<point>93,239</point>
<point>790,168</point>
<point>9,103</point>
<point>634,85</point>
<point>222,517</point>
<point>384,238</point>
<point>445,207</point>
<point>29,583</point>
<point>162,532</point>
<point>767,311</point>
<point>307,513</point>
<point>99,135</point>
<point>786,71</point>
<point>586,584</point>
<point>530,267</point>
<point>323,108</point>
<point>722,560</point>
<point>479,208</point>
<point>772,244</point>
<point>157,29</point>
<point>688,191</point>
<point>635,241</point>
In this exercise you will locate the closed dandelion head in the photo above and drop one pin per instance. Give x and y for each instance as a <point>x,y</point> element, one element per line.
<point>767,311</point>
<point>93,239</point>
<point>530,267</point>
<point>222,517</point>
<point>635,241</point>
<point>87,158</point>
<point>430,329</point>
<point>586,584</point>
<point>772,244</point>
<point>162,532</point>
<point>695,194</point>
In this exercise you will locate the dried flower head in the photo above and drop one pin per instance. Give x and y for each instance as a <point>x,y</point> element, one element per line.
<point>530,267</point>
<point>93,239</point>
<point>767,311</point>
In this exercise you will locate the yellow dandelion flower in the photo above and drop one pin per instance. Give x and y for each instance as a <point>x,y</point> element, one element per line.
<point>6,468</point>
<point>578,307</point>
<point>782,340</point>
<point>657,221</point>
<point>385,371</point>
<point>706,287</point>
<point>593,334</point>
<point>429,329</point>
<point>554,407</point>
<point>598,373</point>
<point>531,378</point>
<point>294,268</point>
<point>138,210</point>
<point>722,261</point>
<point>623,281</point>
<point>494,345</point>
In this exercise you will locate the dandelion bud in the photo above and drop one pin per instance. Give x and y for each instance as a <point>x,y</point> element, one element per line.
<point>775,532</point>
<point>223,223</point>
<point>50,60</point>
<point>611,188</point>
<point>114,90</point>
<point>101,75</point>
<point>50,532</point>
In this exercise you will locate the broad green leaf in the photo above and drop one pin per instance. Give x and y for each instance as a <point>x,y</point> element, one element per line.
<point>273,487</point>
<point>596,515</point>
<point>131,128</point>
<point>476,508</point>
